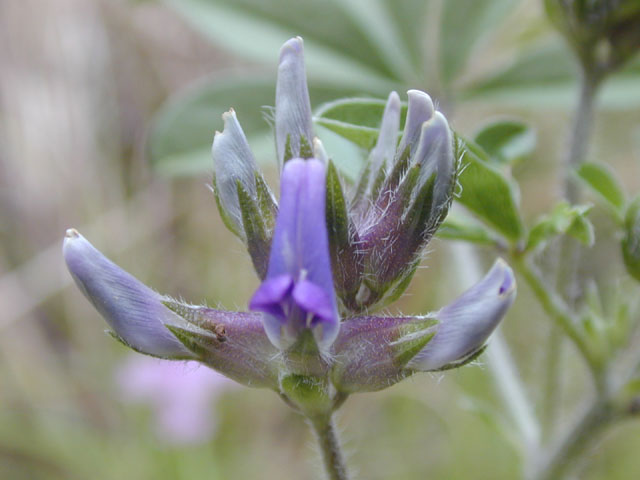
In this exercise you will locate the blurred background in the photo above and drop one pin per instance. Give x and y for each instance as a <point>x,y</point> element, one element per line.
<point>107,112</point>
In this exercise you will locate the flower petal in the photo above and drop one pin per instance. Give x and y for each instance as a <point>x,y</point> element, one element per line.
<point>300,251</point>
<point>468,321</point>
<point>134,311</point>
<point>435,155</point>
<point>293,108</point>
<point>384,151</point>
<point>420,110</point>
<point>233,162</point>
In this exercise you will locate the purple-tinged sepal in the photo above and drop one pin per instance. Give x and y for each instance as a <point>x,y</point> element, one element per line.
<point>153,324</point>
<point>381,156</point>
<point>371,353</point>
<point>294,132</point>
<point>244,200</point>
<point>413,200</point>
<point>233,343</point>
<point>466,324</point>
<point>297,294</point>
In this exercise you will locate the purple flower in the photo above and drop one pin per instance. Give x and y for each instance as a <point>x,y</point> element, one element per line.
<point>180,394</point>
<point>298,292</point>
<point>326,261</point>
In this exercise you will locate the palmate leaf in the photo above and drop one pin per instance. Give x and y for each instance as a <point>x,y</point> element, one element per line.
<point>546,76</point>
<point>340,48</point>
<point>601,179</point>
<point>506,141</point>
<point>182,132</point>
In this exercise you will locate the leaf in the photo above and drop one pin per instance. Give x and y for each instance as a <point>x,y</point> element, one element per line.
<point>462,26</point>
<point>456,228</point>
<point>563,219</point>
<point>547,77</point>
<point>506,141</point>
<point>337,51</point>
<point>487,192</point>
<point>631,241</point>
<point>601,179</point>
<point>356,119</point>
<point>182,130</point>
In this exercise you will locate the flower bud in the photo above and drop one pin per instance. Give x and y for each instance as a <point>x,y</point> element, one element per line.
<point>232,343</point>
<point>244,200</point>
<point>466,323</point>
<point>294,132</point>
<point>134,311</point>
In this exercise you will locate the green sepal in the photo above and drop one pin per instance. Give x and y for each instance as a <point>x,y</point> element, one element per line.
<point>631,241</point>
<point>310,394</point>
<point>200,343</point>
<point>465,361</point>
<point>345,260</point>
<point>305,150</point>
<point>412,338</point>
<point>288,150</point>
<point>194,316</point>
<point>226,218</point>
<point>258,238</point>
<point>266,202</point>
<point>121,340</point>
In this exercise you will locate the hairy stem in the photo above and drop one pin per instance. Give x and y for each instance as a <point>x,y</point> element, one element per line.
<point>562,456</point>
<point>555,307</point>
<point>332,456</point>
<point>580,132</point>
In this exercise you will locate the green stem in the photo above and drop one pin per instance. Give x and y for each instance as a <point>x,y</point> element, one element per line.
<point>555,307</point>
<point>580,132</point>
<point>332,456</point>
<point>562,457</point>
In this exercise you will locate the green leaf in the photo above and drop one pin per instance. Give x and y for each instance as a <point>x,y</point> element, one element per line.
<point>337,51</point>
<point>356,119</point>
<point>463,24</point>
<point>506,141</point>
<point>487,192</point>
<point>547,77</point>
<point>631,240</point>
<point>563,219</point>
<point>182,130</point>
<point>457,228</point>
<point>601,179</point>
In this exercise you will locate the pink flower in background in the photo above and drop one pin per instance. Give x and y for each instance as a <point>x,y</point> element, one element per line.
<point>181,396</point>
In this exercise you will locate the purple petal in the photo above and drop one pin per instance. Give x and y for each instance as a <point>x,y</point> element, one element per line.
<point>300,251</point>
<point>466,323</point>
<point>134,311</point>
<point>293,108</point>
<point>420,110</point>
<point>232,162</point>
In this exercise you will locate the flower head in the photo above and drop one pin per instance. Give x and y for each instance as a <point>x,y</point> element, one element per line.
<point>326,259</point>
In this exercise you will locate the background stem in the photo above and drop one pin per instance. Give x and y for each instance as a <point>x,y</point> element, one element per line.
<point>332,456</point>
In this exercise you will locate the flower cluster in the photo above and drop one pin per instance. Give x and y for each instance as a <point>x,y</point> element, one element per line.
<point>327,257</point>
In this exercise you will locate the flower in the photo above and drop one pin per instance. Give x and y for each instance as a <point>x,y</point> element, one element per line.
<point>181,396</point>
<point>298,292</point>
<point>326,261</point>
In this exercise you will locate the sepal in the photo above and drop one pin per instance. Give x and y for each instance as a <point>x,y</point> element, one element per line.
<point>371,353</point>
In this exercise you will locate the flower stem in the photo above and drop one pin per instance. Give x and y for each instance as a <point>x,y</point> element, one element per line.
<point>580,131</point>
<point>332,456</point>
<point>585,432</point>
